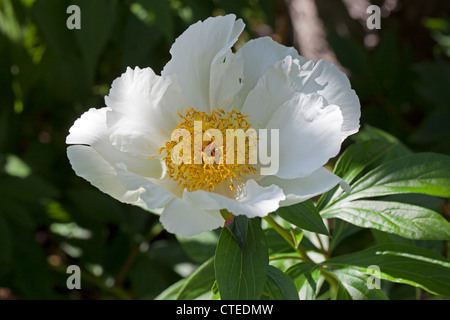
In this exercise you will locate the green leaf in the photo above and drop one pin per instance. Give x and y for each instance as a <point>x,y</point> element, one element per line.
<point>383,238</point>
<point>406,220</point>
<point>241,268</point>
<point>200,282</point>
<point>353,285</point>
<point>359,156</point>
<point>200,247</point>
<point>341,231</point>
<point>239,230</point>
<point>279,286</point>
<point>426,173</point>
<point>309,285</point>
<point>415,266</point>
<point>172,291</point>
<point>372,148</point>
<point>305,216</point>
<point>306,279</point>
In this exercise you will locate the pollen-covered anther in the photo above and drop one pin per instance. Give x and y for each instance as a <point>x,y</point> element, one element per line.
<point>207,167</point>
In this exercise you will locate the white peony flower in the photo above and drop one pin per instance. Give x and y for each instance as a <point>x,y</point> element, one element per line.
<point>124,148</point>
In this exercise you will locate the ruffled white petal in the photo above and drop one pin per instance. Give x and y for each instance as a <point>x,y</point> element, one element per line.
<point>301,189</point>
<point>226,81</point>
<point>91,129</point>
<point>187,219</point>
<point>153,192</point>
<point>309,134</point>
<point>119,174</point>
<point>196,50</point>
<point>255,201</point>
<point>90,165</point>
<point>272,90</point>
<point>143,111</point>
<point>326,79</point>
<point>258,55</point>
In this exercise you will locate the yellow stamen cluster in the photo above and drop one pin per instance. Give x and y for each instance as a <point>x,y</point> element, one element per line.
<point>207,176</point>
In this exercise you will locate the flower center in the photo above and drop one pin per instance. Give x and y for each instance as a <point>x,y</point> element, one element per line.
<point>207,159</point>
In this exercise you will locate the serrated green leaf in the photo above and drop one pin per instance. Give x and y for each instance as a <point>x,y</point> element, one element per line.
<point>402,264</point>
<point>406,220</point>
<point>279,286</point>
<point>241,269</point>
<point>305,216</point>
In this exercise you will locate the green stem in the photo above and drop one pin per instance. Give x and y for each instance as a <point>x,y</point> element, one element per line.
<point>285,257</point>
<point>288,237</point>
<point>325,252</point>
<point>330,279</point>
<point>303,255</point>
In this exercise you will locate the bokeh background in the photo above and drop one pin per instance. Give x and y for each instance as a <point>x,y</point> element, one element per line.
<point>50,75</point>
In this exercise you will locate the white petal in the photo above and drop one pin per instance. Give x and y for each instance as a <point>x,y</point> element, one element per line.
<point>326,80</point>
<point>119,174</point>
<point>256,201</point>
<point>142,112</point>
<point>226,81</point>
<point>88,164</point>
<point>258,56</point>
<point>309,135</point>
<point>186,219</point>
<point>301,189</point>
<point>193,53</point>
<point>273,89</point>
<point>153,192</point>
<point>116,180</point>
<point>91,129</point>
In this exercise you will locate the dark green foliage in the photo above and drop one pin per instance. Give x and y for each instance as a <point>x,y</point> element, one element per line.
<point>50,218</point>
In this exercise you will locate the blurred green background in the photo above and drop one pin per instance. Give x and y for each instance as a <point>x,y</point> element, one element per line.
<point>50,218</point>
